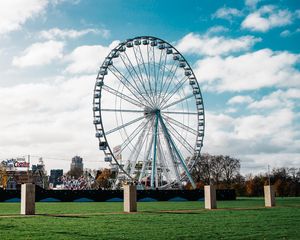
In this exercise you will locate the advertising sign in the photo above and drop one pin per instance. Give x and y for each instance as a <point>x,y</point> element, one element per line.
<point>15,163</point>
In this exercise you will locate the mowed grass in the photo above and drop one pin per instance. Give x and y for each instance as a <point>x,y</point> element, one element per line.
<point>244,218</point>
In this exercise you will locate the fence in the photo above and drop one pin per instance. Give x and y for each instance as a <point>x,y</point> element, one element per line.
<point>43,195</point>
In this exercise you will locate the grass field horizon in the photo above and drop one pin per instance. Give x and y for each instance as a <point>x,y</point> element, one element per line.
<point>245,218</point>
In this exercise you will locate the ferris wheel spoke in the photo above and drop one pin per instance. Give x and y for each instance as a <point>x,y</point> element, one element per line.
<point>162,78</point>
<point>134,133</point>
<point>147,72</point>
<point>121,110</point>
<point>168,96</point>
<point>183,113</point>
<point>122,96</point>
<point>140,61</point>
<point>124,125</point>
<point>146,159</point>
<point>169,74</point>
<point>149,58</point>
<point>179,124</point>
<point>177,152</point>
<point>137,150</point>
<point>173,158</point>
<point>169,83</point>
<point>133,79</point>
<point>176,102</point>
<point>162,158</point>
<point>181,139</point>
<point>157,78</point>
<point>130,65</point>
<point>114,71</point>
<point>129,163</point>
<point>154,70</point>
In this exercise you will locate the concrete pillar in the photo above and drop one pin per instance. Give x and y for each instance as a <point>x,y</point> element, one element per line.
<point>210,197</point>
<point>28,199</point>
<point>269,196</point>
<point>130,198</point>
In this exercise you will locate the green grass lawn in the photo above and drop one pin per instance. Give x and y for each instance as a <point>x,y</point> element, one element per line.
<point>244,218</point>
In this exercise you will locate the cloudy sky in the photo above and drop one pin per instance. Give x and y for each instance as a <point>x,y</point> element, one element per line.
<point>245,55</point>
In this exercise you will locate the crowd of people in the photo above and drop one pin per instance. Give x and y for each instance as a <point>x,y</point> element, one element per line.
<point>81,183</point>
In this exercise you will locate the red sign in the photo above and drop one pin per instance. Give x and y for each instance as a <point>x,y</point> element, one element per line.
<point>21,164</point>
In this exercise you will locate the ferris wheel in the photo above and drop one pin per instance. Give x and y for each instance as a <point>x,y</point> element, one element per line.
<point>149,113</point>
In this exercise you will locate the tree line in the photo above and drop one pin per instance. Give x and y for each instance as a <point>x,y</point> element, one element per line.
<point>224,172</point>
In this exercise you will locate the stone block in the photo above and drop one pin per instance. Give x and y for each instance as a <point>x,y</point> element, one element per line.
<point>130,204</point>
<point>28,199</point>
<point>210,197</point>
<point>269,196</point>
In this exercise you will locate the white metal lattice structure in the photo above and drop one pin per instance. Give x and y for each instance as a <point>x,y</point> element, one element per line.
<point>147,101</point>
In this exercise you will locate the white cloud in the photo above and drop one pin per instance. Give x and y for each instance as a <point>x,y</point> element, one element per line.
<point>267,17</point>
<point>289,33</point>
<point>14,13</point>
<point>285,33</point>
<point>269,133</point>
<point>39,54</point>
<point>263,68</point>
<point>216,29</point>
<point>216,45</point>
<point>251,3</point>
<point>240,100</point>
<point>260,126</point>
<point>51,118</point>
<point>57,2</point>
<point>87,59</point>
<point>227,13</point>
<point>278,99</point>
<point>56,33</point>
<point>297,13</point>
<point>231,110</point>
<point>259,162</point>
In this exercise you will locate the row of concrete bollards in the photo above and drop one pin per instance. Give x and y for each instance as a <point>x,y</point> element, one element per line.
<point>130,198</point>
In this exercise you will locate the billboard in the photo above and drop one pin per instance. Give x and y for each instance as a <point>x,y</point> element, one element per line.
<point>12,164</point>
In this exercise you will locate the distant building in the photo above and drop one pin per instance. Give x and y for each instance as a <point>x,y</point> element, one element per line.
<point>77,164</point>
<point>39,174</point>
<point>13,174</point>
<point>55,176</point>
<point>16,178</point>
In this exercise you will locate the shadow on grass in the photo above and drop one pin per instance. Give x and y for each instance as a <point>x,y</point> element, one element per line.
<point>61,215</point>
<point>41,214</point>
<point>177,212</point>
<point>199,211</point>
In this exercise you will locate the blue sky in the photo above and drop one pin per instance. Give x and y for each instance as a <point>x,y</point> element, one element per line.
<point>244,53</point>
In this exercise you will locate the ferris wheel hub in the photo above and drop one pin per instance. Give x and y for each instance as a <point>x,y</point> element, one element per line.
<point>148,111</point>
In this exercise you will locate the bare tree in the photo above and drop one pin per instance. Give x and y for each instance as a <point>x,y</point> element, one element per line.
<point>216,164</point>
<point>231,167</point>
<point>202,170</point>
<point>215,169</point>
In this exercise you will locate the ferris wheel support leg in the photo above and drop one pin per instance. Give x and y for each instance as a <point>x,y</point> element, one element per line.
<point>177,152</point>
<point>154,153</point>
